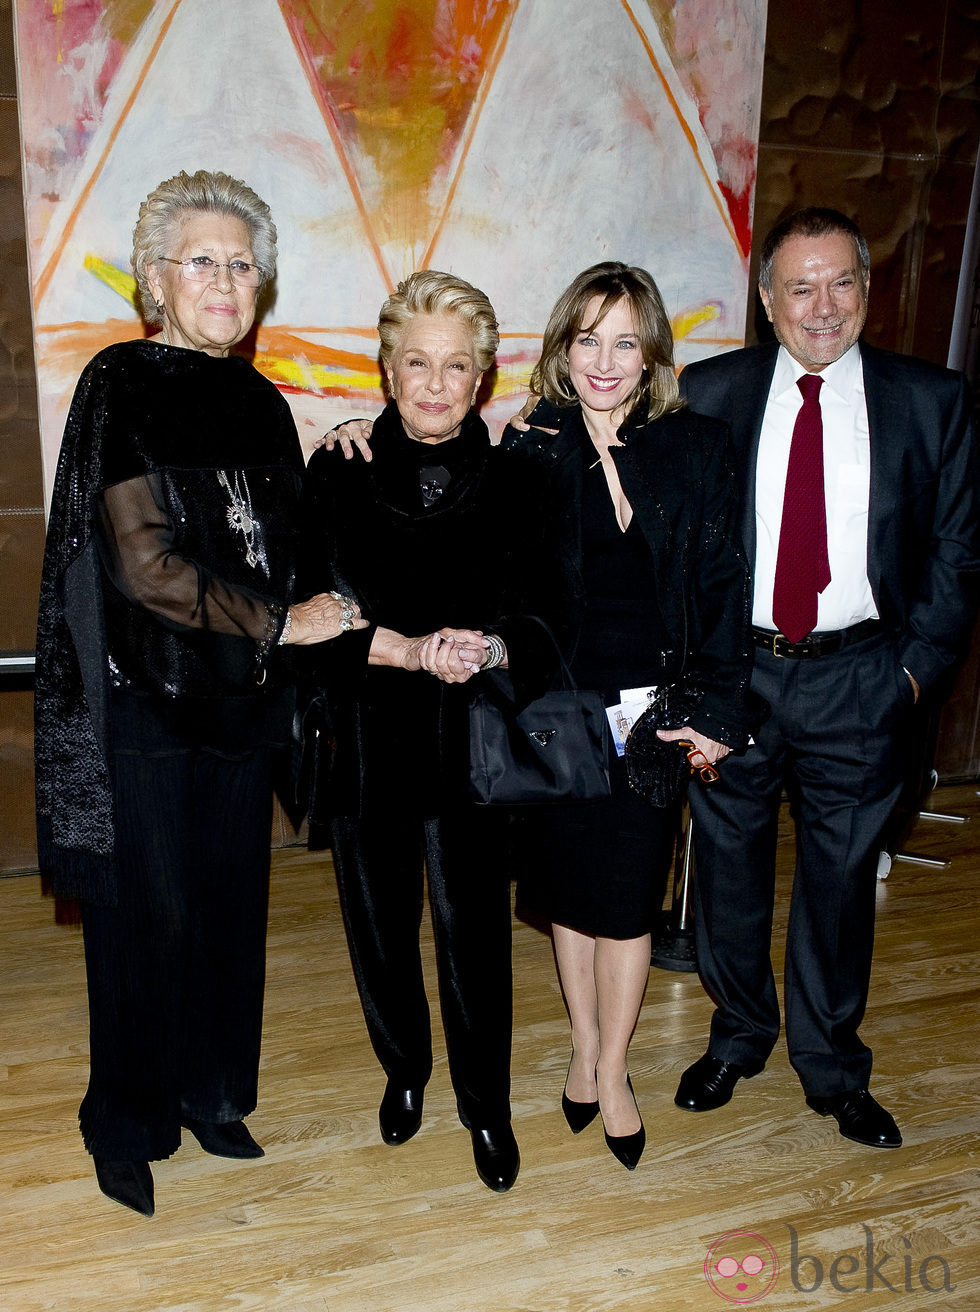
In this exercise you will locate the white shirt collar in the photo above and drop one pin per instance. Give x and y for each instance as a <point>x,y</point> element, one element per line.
<point>844,376</point>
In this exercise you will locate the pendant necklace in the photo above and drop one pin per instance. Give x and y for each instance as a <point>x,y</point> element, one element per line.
<point>239,513</point>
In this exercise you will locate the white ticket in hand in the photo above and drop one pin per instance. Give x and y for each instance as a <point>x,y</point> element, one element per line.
<point>633,702</point>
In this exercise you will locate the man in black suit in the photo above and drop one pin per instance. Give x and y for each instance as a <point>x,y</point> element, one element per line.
<point>864,593</point>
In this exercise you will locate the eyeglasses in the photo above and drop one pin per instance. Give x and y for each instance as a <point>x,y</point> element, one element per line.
<point>699,763</point>
<point>201,268</point>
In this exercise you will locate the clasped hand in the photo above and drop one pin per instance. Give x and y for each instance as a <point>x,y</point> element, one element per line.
<point>452,655</point>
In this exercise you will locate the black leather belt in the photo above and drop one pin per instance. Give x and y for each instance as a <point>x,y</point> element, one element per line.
<point>817,644</point>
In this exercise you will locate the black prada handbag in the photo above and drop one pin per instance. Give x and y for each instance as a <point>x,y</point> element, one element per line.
<point>555,750</point>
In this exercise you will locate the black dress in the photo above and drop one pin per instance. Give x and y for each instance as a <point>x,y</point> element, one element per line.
<point>601,867</point>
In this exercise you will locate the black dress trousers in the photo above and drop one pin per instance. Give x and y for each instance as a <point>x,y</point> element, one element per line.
<point>381,865</point>
<point>176,969</point>
<point>834,738</point>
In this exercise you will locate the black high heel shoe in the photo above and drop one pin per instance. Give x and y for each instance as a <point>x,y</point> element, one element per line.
<point>129,1183</point>
<point>224,1138</point>
<point>628,1148</point>
<point>578,1114</point>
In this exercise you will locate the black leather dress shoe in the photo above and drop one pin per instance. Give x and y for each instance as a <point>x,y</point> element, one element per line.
<point>710,1082</point>
<point>400,1113</point>
<point>129,1183</point>
<point>860,1118</point>
<point>497,1157</point>
<point>224,1138</point>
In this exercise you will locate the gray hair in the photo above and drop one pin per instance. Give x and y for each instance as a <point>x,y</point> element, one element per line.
<point>212,193</point>
<point>430,292</point>
<point>811,222</point>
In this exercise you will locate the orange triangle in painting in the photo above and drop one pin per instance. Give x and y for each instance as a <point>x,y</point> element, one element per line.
<point>396,82</point>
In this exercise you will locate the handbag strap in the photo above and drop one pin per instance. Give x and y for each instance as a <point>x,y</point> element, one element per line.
<point>498,687</point>
<point>568,683</point>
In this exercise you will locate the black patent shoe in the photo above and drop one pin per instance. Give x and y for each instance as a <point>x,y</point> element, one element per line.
<point>224,1138</point>
<point>129,1183</point>
<point>860,1118</point>
<point>578,1114</point>
<point>497,1157</point>
<point>628,1148</point>
<point>400,1113</point>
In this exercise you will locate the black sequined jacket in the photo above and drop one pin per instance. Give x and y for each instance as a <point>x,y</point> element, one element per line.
<point>676,472</point>
<point>146,589</point>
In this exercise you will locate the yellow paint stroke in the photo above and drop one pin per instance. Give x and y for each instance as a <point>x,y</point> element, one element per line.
<point>719,204</point>
<point>300,375</point>
<point>119,280</point>
<point>289,342</point>
<point>47,273</point>
<point>683,324</point>
<point>122,19</point>
<point>290,360</point>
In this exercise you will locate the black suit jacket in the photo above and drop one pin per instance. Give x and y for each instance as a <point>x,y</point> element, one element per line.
<point>924,515</point>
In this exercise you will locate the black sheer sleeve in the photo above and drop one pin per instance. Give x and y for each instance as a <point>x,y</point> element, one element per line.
<point>142,557</point>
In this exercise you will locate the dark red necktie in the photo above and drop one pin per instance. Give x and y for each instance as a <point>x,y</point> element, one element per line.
<point>802,565</point>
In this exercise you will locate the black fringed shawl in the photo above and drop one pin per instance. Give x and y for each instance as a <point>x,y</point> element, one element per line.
<point>140,409</point>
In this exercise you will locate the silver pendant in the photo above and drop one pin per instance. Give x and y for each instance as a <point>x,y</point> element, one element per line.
<point>239,518</point>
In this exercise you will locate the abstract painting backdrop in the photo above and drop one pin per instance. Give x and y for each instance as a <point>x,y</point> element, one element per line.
<point>513,142</point>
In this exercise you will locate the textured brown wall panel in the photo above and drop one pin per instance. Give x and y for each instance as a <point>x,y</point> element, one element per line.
<point>8,76</point>
<point>872,107</point>
<point>17,844</point>
<point>21,514</point>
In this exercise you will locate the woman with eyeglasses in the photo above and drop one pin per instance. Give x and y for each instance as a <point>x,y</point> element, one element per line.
<point>657,584</point>
<point>161,697</point>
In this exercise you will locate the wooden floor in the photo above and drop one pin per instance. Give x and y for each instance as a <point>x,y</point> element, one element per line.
<point>332,1220</point>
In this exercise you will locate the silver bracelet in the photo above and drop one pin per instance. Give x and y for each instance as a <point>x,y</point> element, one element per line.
<point>284,635</point>
<point>496,651</point>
